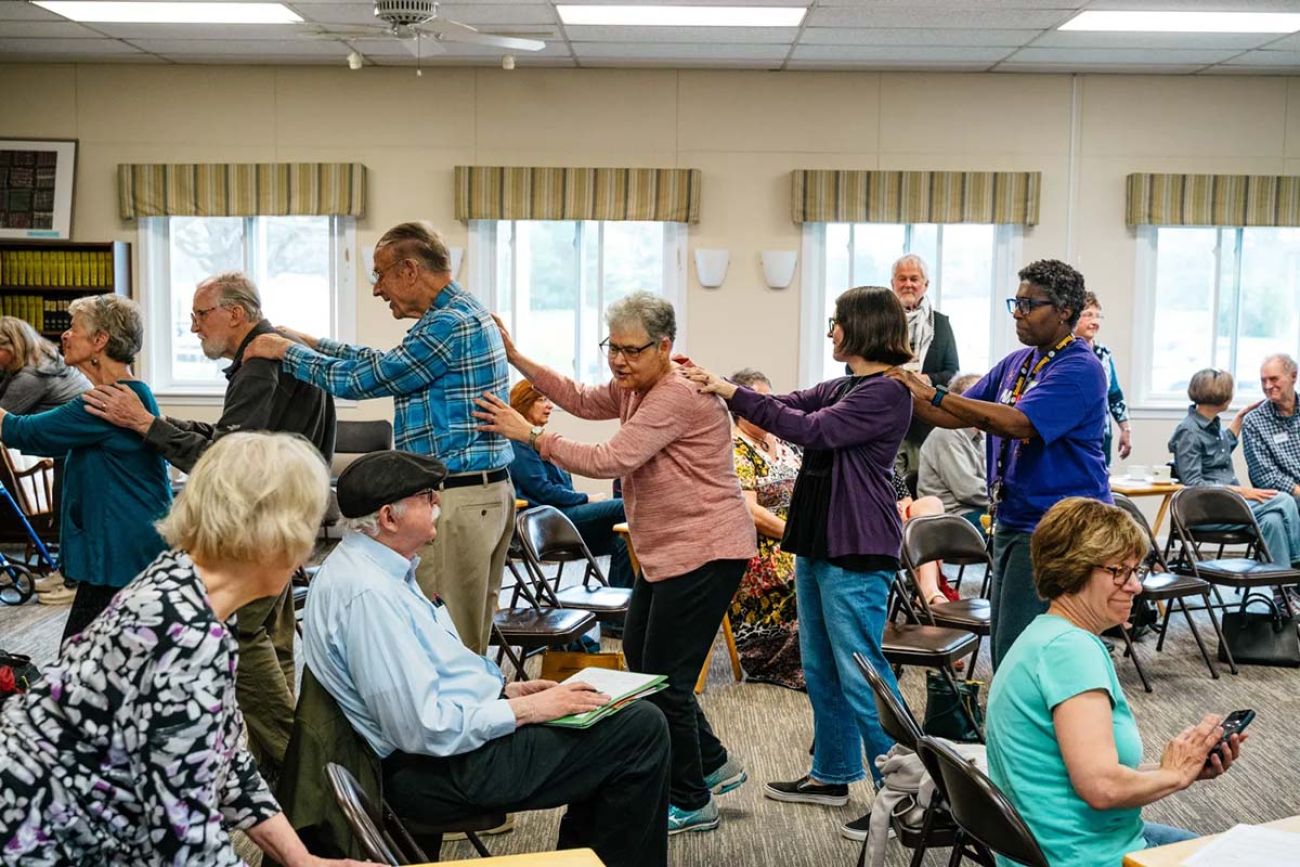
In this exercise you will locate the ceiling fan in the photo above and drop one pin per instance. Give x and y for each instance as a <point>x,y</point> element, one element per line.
<point>423,31</point>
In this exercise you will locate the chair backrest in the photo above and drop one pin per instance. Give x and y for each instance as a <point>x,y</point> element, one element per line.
<point>548,534</point>
<point>380,832</point>
<point>895,717</point>
<point>1193,509</point>
<point>1136,514</point>
<point>356,438</point>
<point>979,807</point>
<point>950,538</point>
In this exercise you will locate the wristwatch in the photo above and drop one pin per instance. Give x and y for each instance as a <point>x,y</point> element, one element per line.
<point>534,434</point>
<point>940,392</point>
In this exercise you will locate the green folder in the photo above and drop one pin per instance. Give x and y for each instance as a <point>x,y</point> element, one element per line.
<point>623,688</point>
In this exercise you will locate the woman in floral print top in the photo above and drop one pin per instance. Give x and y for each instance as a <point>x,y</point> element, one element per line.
<point>131,750</point>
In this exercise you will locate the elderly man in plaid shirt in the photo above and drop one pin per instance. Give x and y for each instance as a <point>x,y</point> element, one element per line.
<point>1270,435</point>
<point>450,356</point>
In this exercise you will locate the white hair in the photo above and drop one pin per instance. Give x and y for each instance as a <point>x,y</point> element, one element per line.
<point>911,259</point>
<point>369,524</point>
<point>1287,362</point>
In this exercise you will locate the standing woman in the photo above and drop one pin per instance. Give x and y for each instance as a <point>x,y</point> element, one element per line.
<point>114,486</point>
<point>690,527</point>
<point>844,530</point>
<point>1086,330</point>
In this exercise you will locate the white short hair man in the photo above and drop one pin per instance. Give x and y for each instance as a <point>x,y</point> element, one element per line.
<point>1270,434</point>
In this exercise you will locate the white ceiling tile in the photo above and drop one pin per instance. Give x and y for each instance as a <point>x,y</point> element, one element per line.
<point>1113,56</point>
<point>964,17</point>
<point>898,54</point>
<point>710,35</point>
<point>882,66</point>
<point>910,36</point>
<point>21,10</point>
<point>237,32</point>
<point>1104,39</point>
<point>683,51</point>
<point>1225,69</point>
<point>1286,43</point>
<point>337,13</point>
<point>63,47</point>
<point>1287,59</point>
<point>245,48</point>
<point>1198,5</point>
<point>269,59</point>
<point>1098,68</point>
<point>46,30</point>
<point>1063,5</point>
<point>697,2</point>
<point>480,14</point>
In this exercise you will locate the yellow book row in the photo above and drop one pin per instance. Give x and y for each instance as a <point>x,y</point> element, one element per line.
<point>45,314</point>
<point>64,269</point>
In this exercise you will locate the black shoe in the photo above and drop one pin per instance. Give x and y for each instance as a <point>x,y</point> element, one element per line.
<point>805,791</point>
<point>859,828</point>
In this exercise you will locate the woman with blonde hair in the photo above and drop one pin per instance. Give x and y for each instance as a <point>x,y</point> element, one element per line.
<point>150,765</point>
<point>114,485</point>
<point>37,377</point>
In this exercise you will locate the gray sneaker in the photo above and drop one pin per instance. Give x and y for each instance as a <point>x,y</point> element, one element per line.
<point>728,778</point>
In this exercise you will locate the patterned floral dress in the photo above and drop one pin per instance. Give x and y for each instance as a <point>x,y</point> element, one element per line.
<point>763,613</point>
<point>131,750</point>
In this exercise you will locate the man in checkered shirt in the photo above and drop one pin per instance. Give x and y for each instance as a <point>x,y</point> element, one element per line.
<point>1271,433</point>
<point>450,356</point>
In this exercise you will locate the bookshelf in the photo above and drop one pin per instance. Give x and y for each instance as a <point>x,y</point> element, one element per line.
<point>39,279</point>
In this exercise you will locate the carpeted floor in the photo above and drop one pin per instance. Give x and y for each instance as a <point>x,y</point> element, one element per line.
<point>769,729</point>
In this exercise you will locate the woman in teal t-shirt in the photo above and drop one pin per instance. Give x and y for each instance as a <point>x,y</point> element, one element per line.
<point>1062,742</point>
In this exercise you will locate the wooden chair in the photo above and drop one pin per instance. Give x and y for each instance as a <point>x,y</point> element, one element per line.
<point>34,488</point>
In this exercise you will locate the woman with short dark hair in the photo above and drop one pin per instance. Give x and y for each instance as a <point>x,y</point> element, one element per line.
<point>844,529</point>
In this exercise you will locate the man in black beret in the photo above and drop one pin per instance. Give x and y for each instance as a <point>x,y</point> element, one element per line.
<point>453,738</point>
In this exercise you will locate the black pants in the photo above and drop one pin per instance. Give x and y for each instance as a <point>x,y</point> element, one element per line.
<point>90,601</point>
<point>613,777</point>
<point>670,629</point>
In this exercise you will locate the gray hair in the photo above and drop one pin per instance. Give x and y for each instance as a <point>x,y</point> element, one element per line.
<point>649,311</point>
<point>236,290</point>
<point>368,525</point>
<point>1288,363</point>
<point>962,381</point>
<point>911,259</point>
<point>118,317</point>
<point>419,241</point>
<point>747,376</point>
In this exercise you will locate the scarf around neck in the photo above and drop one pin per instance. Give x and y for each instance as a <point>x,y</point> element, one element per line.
<point>920,331</point>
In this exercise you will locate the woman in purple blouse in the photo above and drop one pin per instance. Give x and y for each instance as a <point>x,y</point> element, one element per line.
<point>843,529</point>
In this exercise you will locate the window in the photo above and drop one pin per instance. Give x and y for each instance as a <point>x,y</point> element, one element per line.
<point>971,270</point>
<point>302,267</point>
<point>552,280</point>
<point>1214,296</point>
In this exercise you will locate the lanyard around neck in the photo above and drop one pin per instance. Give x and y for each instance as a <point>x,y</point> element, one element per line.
<point>1026,376</point>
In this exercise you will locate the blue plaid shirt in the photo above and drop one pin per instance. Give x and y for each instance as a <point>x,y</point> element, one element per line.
<point>1272,446</point>
<point>450,356</point>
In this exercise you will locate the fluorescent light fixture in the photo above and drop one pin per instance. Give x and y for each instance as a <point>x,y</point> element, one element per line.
<point>683,16</point>
<point>1185,22</point>
<point>148,12</point>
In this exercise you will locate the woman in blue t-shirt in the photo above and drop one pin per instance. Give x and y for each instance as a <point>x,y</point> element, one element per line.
<point>1062,741</point>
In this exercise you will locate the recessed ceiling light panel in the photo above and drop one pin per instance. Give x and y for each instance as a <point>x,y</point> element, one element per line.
<point>1185,22</point>
<point>683,16</point>
<point>149,12</point>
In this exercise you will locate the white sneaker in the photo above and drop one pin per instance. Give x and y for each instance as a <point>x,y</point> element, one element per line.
<point>61,595</point>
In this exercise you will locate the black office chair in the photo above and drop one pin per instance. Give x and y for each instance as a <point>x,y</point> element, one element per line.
<point>546,534</point>
<point>987,822</point>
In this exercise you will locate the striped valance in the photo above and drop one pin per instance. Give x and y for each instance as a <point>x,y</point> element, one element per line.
<point>837,196</point>
<point>1213,200</point>
<point>523,193</point>
<point>241,190</point>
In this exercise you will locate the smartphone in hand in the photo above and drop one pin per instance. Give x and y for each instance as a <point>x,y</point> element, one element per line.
<point>1233,724</point>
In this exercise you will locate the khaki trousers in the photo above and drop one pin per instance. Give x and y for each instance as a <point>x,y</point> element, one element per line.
<point>264,679</point>
<point>464,562</point>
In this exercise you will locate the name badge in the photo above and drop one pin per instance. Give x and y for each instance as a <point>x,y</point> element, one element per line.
<point>1006,396</point>
<point>1281,437</point>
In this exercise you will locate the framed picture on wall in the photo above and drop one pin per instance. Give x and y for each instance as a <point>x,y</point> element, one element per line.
<point>36,178</point>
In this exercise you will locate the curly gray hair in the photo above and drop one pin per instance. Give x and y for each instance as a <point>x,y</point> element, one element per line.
<point>651,312</point>
<point>118,317</point>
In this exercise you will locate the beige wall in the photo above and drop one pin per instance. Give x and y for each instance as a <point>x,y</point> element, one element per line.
<point>744,130</point>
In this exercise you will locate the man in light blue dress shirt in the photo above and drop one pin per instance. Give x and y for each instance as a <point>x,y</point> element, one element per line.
<point>453,738</point>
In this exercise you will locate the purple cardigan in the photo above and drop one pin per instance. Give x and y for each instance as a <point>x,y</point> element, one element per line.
<point>864,429</point>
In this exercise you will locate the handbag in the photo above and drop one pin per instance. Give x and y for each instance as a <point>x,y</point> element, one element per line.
<point>949,713</point>
<point>17,674</point>
<point>1261,638</point>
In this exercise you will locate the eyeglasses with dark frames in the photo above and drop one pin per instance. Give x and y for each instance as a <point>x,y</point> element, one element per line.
<point>1025,306</point>
<point>197,316</point>
<point>1121,574</point>
<point>629,353</point>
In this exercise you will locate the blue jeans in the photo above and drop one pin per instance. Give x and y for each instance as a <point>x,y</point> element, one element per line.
<point>840,612</point>
<point>595,523</point>
<point>1013,601</point>
<point>1163,835</point>
<point>1279,524</point>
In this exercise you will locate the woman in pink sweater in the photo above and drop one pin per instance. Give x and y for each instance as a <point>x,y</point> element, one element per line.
<point>690,526</point>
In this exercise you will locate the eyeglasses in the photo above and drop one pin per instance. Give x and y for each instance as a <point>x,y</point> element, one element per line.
<point>1121,574</point>
<point>431,495</point>
<point>1092,314</point>
<point>377,274</point>
<point>629,353</point>
<point>196,316</point>
<point>831,323</point>
<point>1025,306</point>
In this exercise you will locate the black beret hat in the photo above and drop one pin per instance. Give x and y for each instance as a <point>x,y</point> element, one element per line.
<point>379,478</point>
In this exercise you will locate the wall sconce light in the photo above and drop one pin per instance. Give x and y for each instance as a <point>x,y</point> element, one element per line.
<point>711,266</point>
<point>778,267</point>
<point>457,254</point>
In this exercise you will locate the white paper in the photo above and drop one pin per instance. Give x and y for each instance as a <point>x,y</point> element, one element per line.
<point>613,683</point>
<point>1249,846</point>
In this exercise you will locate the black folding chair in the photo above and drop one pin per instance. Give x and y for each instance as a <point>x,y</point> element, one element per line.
<point>545,534</point>
<point>987,821</point>
<point>955,541</point>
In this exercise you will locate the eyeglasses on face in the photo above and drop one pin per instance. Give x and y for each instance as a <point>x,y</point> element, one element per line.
<point>1121,574</point>
<point>197,316</point>
<point>630,353</point>
<point>377,274</point>
<point>1025,306</point>
<point>831,323</point>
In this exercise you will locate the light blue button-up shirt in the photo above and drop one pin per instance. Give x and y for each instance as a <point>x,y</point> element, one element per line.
<point>393,660</point>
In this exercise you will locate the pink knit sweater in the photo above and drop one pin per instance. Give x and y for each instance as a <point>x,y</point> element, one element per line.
<point>674,454</point>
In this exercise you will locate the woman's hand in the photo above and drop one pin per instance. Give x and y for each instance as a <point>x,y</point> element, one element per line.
<point>917,384</point>
<point>500,418</point>
<point>1125,442</point>
<point>1219,762</point>
<point>1185,755</point>
<point>1257,495</point>
<point>709,383</point>
<point>511,352</point>
<point>1239,419</point>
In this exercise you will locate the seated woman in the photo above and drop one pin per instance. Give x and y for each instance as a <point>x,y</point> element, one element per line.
<point>542,483</point>
<point>763,611</point>
<point>1202,449</point>
<point>114,485</point>
<point>934,587</point>
<point>38,379</point>
<point>953,467</point>
<point>1062,742</point>
<point>147,765</point>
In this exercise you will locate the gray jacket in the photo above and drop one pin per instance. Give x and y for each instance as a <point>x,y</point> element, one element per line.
<point>952,469</point>
<point>41,387</point>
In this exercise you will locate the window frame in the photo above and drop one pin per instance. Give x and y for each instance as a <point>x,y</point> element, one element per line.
<point>155,261</point>
<point>485,243</point>
<point>1008,239</point>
